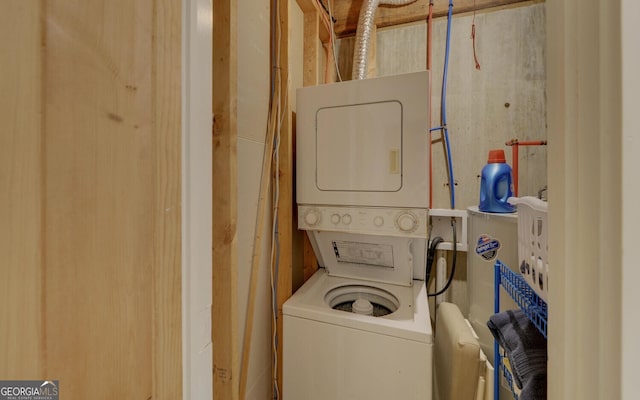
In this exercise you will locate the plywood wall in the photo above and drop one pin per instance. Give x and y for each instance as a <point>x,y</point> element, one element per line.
<point>253,104</point>
<point>91,186</point>
<point>21,191</point>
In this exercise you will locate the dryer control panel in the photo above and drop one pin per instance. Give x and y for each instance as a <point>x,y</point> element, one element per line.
<point>405,222</point>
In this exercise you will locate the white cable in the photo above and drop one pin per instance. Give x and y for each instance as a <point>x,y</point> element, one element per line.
<point>328,23</point>
<point>276,195</point>
<point>276,100</point>
<point>282,114</point>
<point>333,40</point>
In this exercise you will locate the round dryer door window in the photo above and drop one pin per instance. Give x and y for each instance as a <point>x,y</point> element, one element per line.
<point>362,299</point>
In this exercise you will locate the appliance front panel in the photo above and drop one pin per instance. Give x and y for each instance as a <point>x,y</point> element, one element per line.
<point>359,147</point>
<point>343,363</point>
<point>364,143</point>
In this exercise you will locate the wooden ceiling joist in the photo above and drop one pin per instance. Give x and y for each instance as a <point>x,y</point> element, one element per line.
<point>346,12</point>
<point>313,9</point>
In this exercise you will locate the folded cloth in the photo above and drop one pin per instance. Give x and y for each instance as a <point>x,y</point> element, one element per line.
<point>535,388</point>
<point>526,349</point>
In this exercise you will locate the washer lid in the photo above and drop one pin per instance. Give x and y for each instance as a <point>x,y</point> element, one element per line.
<point>388,259</point>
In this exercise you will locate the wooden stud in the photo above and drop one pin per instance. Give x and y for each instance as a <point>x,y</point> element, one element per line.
<point>90,174</point>
<point>310,48</point>
<point>310,261</point>
<point>21,194</point>
<point>112,197</point>
<point>167,266</point>
<point>307,5</point>
<point>224,332</point>
<point>310,7</point>
<point>100,171</point>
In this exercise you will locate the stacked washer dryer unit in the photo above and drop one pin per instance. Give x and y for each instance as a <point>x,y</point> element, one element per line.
<point>360,327</point>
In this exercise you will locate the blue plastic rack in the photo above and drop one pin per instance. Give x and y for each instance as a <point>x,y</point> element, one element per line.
<point>529,302</point>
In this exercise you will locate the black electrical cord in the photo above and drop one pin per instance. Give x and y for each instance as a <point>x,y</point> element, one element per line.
<point>431,256</point>
<point>453,262</point>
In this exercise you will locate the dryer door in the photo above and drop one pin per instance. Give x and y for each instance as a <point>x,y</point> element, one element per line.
<point>359,147</point>
<point>364,143</point>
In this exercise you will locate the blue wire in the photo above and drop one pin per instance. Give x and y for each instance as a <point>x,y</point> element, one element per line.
<point>451,180</point>
<point>443,108</point>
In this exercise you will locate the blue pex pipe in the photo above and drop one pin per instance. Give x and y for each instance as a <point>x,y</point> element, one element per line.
<point>443,108</point>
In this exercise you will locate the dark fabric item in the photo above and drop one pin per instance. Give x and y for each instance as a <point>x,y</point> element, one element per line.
<point>526,349</point>
<point>535,388</point>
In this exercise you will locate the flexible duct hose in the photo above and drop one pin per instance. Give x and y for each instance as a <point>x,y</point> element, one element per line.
<point>366,20</point>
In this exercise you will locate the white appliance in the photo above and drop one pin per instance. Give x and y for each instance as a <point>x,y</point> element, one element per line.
<point>500,233</point>
<point>364,142</point>
<point>492,237</point>
<point>360,327</point>
<point>340,355</point>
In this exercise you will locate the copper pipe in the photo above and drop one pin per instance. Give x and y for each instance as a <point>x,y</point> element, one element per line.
<point>514,160</point>
<point>515,144</point>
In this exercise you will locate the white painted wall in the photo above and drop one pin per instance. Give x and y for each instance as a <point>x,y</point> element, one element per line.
<point>197,199</point>
<point>590,208</point>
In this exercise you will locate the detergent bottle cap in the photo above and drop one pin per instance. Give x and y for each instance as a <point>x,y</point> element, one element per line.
<point>496,156</point>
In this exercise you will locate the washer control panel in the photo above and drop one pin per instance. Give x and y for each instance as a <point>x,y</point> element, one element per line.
<point>367,220</point>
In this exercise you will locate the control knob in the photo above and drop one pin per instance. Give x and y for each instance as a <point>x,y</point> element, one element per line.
<point>346,219</point>
<point>335,219</point>
<point>312,216</point>
<point>407,222</point>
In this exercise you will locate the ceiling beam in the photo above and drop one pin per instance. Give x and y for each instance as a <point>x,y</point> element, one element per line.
<point>346,12</point>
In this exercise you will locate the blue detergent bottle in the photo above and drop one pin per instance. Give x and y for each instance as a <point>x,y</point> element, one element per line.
<point>496,184</point>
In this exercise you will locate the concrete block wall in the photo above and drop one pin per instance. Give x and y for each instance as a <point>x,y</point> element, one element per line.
<point>505,99</point>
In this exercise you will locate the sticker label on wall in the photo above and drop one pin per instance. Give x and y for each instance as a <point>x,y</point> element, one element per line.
<point>487,247</point>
